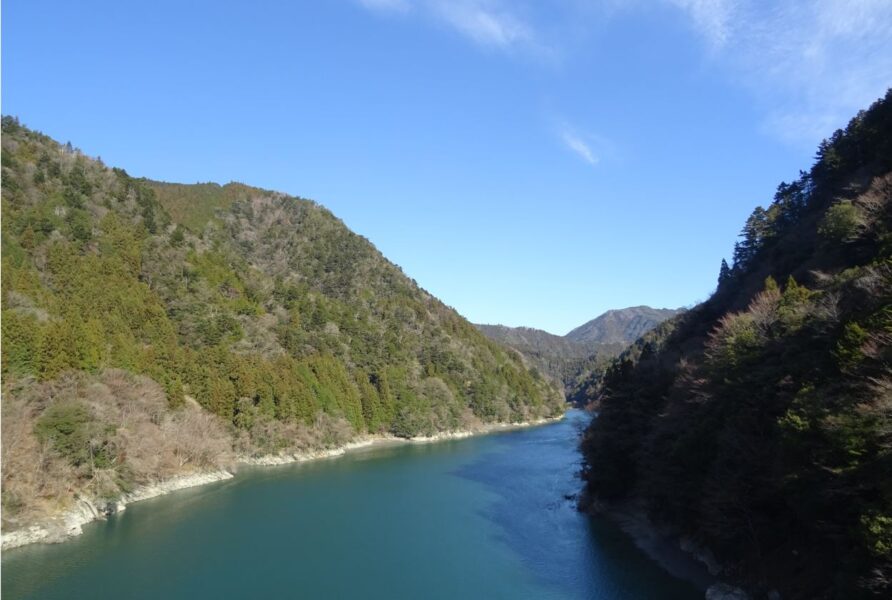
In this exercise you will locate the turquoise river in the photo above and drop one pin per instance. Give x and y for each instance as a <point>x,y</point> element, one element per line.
<point>485,517</point>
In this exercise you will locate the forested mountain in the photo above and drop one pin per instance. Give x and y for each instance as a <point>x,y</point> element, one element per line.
<point>759,423</point>
<point>152,328</point>
<point>622,326</point>
<point>530,340</point>
<point>583,354</point>
<point>554,356</point>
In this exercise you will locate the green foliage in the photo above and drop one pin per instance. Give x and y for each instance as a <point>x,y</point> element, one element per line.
<point>849,347</point>
<point>74,434</point>
<point>878,531</point>
<point>178,236</point>
<point>57,350</point>
<point>736,343</point>
<point>21,339</point>
<point>842,222</point>
<point>175,393</point>
<point>194,206</point>
<point>79,224</point>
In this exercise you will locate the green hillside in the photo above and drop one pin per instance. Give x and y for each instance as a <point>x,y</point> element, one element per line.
<point>620,326</point>
<point>135,312</point>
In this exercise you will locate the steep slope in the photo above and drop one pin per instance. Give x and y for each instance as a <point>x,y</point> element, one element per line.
<point>758,423</point>
<point>622,326</point>
<point>151,329</point>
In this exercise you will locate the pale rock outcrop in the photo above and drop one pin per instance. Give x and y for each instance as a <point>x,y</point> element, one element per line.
<point>723,591</point>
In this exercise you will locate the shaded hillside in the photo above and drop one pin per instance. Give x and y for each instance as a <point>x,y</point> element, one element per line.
<point>531,341</point>
<point>574,361</point>
<point>150,328</point>
<point>622,326</point>
<point>551,354</point>
<point>758,423</point>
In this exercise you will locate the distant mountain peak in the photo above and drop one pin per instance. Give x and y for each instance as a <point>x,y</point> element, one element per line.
<point>623,325</point>
<point>585,350</point>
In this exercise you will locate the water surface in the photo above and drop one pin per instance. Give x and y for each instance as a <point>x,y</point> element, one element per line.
<point>485,517</point>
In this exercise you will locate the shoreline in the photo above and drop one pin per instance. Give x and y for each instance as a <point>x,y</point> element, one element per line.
<point>675,554</point>
<point>369,441</point>
<point>69,523</point>
<point>670,552</point>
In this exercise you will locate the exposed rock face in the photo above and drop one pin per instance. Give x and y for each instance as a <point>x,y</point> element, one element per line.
<point>71,522</point>
<point>704,555</point>
<point>723,591</point>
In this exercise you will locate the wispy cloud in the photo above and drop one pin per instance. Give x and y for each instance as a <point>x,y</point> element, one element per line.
<point>713,18</point>
<point>590,147</point>
<point>807,65</point>
<point>811,65</point>
<point>487,23</point>
<point>579,146</point>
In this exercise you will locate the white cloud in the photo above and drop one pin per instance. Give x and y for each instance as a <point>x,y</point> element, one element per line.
<point>582,149</point>
<point>712,18</point>
<point>488,23</point>
<point>483,22</point>
<point>810,65</point>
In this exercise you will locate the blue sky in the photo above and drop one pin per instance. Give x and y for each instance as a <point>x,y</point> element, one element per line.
<point>529,162</point>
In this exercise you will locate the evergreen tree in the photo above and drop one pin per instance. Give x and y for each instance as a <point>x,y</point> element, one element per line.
<point>756,230</point>
<point>724,273</point>
<point>57,351</point>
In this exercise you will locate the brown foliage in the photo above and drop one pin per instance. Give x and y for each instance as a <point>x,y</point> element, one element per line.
<point>147,442</point>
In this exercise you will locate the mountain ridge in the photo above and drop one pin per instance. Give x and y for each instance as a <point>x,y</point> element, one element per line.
<point>572,361</point>
<point>624,325</point>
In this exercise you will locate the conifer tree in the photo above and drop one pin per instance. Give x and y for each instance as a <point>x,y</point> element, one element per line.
<point>724,273</point>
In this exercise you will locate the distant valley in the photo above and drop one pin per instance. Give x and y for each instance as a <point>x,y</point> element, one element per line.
<point>585,351</point>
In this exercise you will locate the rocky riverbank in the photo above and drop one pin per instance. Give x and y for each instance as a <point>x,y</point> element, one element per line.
<point>69,522</point>
<point>374,440</point>
<point>678,555</point>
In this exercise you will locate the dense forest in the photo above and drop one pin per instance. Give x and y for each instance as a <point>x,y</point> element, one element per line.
<point>152,328</point>
<point>620,326</point>
<point>759,424</point>
<point>578,359</point>
<point>561,360</point>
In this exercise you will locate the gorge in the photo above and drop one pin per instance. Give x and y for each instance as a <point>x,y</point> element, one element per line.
<point>158,334</point>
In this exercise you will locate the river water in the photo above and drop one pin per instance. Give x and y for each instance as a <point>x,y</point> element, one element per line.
<point>484,517</point>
